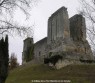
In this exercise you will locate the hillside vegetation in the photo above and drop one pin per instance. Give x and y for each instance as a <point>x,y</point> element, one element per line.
<point>75,73</point>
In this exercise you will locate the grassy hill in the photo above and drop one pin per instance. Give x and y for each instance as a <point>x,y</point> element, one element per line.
<point>75,73</point>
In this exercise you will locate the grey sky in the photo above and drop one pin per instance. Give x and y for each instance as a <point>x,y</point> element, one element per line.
<point>39,18</point>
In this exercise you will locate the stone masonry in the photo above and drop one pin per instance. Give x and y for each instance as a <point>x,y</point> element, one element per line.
<point>66,37</point>
<point>28,44</point>
<point>58,25</point>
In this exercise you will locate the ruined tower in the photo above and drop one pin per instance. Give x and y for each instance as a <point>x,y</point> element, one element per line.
<point>78,35</point>
<point>58,25</point>
<point>78,28</point>
<point>28,47</point>
<point>68,35</point>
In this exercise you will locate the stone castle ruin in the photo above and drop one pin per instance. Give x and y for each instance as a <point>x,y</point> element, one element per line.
<point>66,37</point>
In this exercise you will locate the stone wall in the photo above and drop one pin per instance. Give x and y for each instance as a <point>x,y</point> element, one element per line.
<point>62,63</point>
<point>39,49</point>
<point>58,25</point>
<point>77,28</point>
<point>27,43</point>
<point>78,35</point>
<point>28,46</point>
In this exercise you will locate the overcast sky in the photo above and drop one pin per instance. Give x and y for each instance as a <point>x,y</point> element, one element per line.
<point>39,18</point>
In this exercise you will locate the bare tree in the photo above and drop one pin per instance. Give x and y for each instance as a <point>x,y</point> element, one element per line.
<point>88,11</point>
<point>13,61</point>
<point>7,25</point>
<point>7,9</point>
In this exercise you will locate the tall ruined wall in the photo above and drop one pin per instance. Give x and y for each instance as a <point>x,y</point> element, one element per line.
<point>78,35</point>
<point>58,25</point>
<point>77,28</point>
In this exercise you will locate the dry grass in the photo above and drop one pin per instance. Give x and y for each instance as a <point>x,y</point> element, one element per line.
<point>75,73</point>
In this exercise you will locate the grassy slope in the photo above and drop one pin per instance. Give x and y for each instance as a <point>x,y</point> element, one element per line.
<point>75,73</point>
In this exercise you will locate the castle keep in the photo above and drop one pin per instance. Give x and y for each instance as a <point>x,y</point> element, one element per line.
<point>66,37</point>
